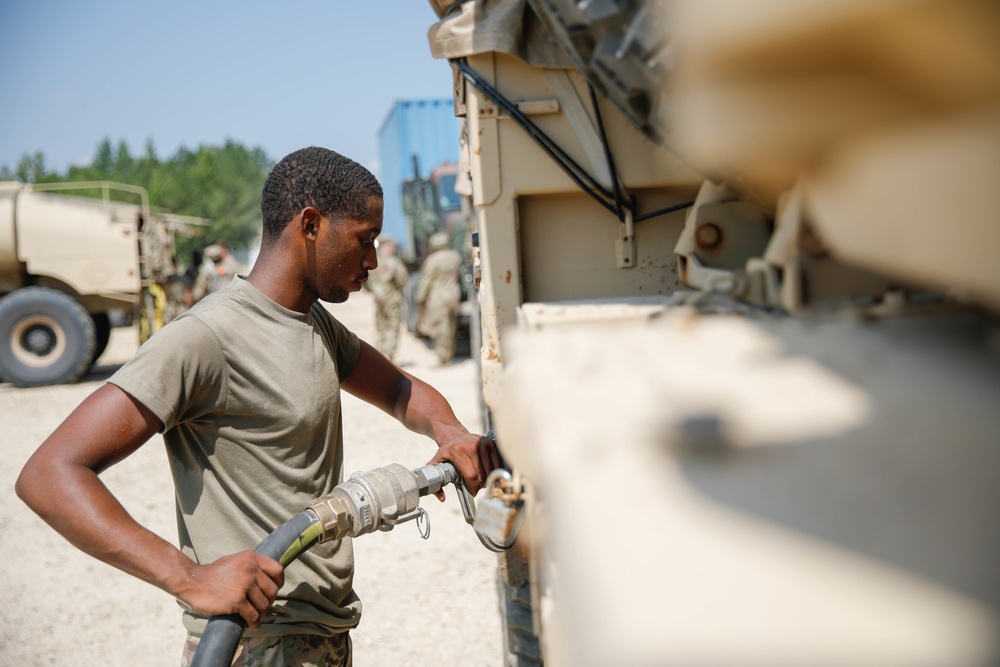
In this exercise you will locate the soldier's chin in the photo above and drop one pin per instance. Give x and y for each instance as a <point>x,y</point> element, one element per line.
<point>337,296</point>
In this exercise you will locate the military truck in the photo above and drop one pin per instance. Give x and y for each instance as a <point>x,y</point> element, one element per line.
<point>432,204</point>
<point>416,137</point>
<point>67,263</point>
<point>740,284</point>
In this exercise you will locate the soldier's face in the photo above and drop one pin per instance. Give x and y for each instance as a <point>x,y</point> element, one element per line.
<point>345,253</point>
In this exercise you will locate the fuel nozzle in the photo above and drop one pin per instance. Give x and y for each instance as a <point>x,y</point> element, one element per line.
<point>383,498</point>
<point>380,499</point>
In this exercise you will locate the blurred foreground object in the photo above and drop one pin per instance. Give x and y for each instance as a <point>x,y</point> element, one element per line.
<point>885,115</point>
<point>739,311</point>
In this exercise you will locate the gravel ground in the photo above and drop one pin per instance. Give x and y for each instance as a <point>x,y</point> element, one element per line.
<point>425,602</point>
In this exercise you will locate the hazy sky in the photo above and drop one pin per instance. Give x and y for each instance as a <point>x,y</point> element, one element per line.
<point>276,74</point>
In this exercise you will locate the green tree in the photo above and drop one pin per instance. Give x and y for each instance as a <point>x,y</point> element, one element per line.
<point>104,161</point>
<point>31,169</point>
<point>219,183</point>
<point>124,169</point>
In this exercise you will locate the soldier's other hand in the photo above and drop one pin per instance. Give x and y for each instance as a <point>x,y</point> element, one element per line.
<point>244,583</point>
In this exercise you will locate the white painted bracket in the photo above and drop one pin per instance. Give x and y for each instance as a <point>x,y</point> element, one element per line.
<point>625,249</point>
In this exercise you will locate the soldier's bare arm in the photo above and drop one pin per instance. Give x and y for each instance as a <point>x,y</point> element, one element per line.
<point>60,483</point>
<point>422,409</point>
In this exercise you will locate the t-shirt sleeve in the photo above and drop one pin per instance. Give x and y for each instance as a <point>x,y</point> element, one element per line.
<point>179,373</point>
<point>344,343</point>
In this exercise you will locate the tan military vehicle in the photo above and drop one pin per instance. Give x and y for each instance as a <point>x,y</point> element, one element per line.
<point>740,280</point>
<point>66,263</point>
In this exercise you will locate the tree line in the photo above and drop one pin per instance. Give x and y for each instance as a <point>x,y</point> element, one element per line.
<point>219,183</point>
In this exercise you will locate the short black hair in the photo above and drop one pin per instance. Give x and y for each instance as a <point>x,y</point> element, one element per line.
<point>336,186</point>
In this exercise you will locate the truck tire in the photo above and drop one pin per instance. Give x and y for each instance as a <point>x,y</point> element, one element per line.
<point>46,337</point>
<point>102,334</point>
<point>520,643</point>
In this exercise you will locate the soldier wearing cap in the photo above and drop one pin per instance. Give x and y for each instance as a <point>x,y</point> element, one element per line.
<point>439,294</point>
<point>226,266</point>
<point>386,284</point>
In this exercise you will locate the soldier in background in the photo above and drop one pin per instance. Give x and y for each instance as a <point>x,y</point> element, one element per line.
<point>439,296</point>
<point>386,284</point>
<point>226,266</point>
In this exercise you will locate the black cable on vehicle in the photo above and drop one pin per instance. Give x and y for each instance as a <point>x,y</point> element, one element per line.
<point>664,211</point>
<point>584,180</point>
<point>610,199</point>
<point>222,634</point>
<point>607,155</point>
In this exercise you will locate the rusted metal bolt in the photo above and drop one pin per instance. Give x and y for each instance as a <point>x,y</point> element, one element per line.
<point>708,235</point>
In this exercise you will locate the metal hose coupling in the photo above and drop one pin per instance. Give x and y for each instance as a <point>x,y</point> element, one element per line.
<point>380,499</point>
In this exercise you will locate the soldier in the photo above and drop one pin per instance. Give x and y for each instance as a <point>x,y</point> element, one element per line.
<point>439,296</point>
<point>386,283</point>
<point>246,389</point>
<point>226,266</point>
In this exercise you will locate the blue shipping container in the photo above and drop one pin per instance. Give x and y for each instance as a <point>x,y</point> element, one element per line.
<point>426,129</point>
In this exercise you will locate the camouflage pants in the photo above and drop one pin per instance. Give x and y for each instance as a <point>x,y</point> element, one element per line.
<point>288,651</point>
<point>388,315</point>
<point>440,324</point>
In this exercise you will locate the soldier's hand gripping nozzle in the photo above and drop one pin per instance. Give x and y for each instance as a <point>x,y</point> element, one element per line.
<point>498,517</point>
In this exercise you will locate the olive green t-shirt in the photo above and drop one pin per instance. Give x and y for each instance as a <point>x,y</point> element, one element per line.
<point>249,396</point>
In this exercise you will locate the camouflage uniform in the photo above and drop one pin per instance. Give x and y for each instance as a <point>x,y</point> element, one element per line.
<point>288,651</point>
<point>386,283</point>
<point>439,293</point>
<point>225,265</point>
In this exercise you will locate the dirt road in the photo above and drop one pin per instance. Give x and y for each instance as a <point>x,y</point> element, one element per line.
<point>425,602</point>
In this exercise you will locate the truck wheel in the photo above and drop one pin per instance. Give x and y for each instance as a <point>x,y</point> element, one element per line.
<point>520,643</point>
<point>102,334</point>
<point>46,337</point>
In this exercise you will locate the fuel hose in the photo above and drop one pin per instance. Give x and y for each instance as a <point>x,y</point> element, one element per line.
<point>222,633</point>
<point>376,500</point>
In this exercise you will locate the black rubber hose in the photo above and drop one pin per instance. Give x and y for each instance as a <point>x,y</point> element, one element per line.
<point>664,211</point>
<point>607,154</point>
<point>223,632</point>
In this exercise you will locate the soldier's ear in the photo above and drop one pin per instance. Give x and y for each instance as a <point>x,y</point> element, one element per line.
<point>308,222</point>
